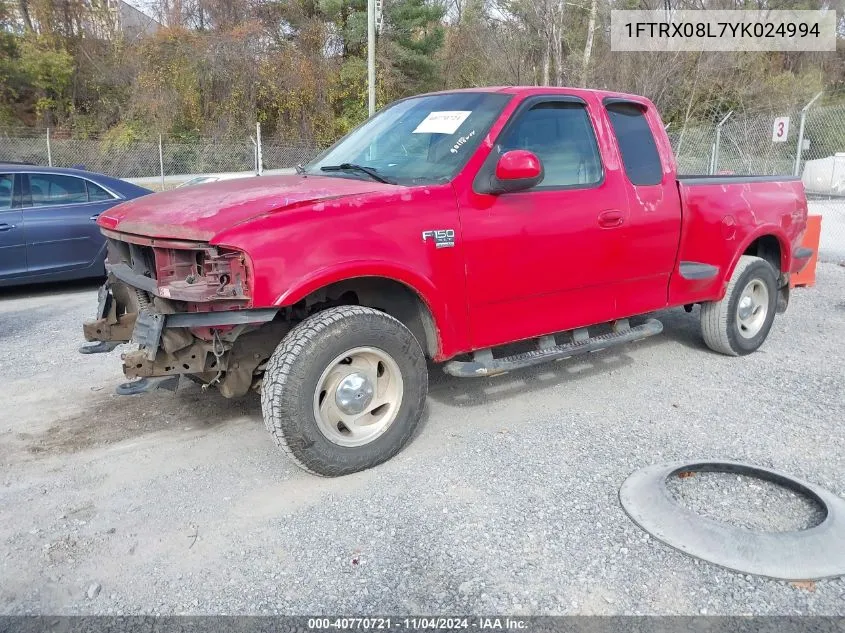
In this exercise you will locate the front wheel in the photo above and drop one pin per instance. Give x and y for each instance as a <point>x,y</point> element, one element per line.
<point>344,390</point>
<point>741,321</point>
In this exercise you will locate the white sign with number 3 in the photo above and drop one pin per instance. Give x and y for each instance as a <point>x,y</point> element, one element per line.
<point>780,130</point>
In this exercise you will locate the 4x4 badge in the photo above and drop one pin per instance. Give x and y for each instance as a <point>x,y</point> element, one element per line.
<point>443,238</point>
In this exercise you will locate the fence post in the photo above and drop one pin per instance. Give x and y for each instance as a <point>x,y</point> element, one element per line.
<point>49,150</point>
<point>260,167</point>
<point>833,172</point>
<point>161,161</point>
<point>799,150</point>
<point>714,158</point>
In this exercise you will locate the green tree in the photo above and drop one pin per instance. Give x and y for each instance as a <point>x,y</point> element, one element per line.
<point>413,37</point>
<point>47,69</point>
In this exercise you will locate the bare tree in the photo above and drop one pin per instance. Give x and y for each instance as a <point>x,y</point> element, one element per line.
<point>23,8</point>
<point>588,45</point>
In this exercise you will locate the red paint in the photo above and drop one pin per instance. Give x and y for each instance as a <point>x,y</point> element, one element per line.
<point>524,264</point>
<point>517,165</point>
<point>200,212</point>
<point>749,211</point>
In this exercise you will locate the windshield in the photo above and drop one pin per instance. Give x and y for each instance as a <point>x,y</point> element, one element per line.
<point>422,140</point>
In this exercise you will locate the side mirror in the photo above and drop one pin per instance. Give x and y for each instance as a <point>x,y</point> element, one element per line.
<point>516,170</point>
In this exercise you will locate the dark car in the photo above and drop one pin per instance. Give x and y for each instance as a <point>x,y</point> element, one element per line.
<point>48,229</point>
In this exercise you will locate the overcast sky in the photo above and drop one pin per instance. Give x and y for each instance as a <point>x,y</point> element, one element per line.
<point>143,5</point>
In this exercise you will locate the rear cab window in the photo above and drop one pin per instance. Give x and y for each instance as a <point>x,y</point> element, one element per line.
<point>636,142</point>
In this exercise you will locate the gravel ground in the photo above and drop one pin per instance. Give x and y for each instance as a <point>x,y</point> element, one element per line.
<point>746,502</point>
<point>504,502</point>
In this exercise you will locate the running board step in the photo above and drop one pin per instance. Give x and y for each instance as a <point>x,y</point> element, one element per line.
<point>483,364</point>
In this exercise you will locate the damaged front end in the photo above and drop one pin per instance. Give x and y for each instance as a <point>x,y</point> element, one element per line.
<point>187,307</point>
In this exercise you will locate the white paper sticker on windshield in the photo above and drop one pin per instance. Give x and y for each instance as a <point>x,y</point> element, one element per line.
<point>443,122</point>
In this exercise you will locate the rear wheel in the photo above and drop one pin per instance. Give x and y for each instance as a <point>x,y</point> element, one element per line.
<point>344,390</point>
<point>741,321</point>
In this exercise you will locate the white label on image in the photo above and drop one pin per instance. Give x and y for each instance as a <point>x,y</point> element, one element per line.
<point>444,122</point>
<point>780,130</point>
<point>757,30</point>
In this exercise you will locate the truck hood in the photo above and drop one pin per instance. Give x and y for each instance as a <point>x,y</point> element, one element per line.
<point>200,212</point>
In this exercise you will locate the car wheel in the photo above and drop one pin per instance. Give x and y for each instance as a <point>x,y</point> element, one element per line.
<point>344,390</point>
<point>741,321</point>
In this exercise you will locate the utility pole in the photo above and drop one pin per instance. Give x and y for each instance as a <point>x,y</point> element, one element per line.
<point>371,55</point>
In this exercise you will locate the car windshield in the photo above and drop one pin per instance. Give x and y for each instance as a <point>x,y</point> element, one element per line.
<point>421,140</point>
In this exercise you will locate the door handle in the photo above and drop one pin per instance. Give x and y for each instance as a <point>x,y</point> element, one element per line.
<point>611,218</point>
<point>6,227</point>
<point>93,218</point>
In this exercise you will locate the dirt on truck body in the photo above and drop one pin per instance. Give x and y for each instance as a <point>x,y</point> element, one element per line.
<point>448,226</point>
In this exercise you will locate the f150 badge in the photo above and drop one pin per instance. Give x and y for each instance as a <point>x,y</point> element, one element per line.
<point>443,238</point>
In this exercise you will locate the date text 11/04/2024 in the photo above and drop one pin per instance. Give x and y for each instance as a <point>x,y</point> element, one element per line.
<point>418,623</point>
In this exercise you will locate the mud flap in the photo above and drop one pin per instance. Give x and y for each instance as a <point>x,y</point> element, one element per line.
<point>783,295</point>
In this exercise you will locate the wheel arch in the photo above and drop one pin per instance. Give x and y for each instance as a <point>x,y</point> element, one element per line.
<point>768,247</point>
<point>768,243</point>
<point>399,295</point>
<point>762,240</point>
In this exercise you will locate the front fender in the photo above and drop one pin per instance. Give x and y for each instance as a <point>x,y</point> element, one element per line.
<point>298,250</point>
<point>423,287</point>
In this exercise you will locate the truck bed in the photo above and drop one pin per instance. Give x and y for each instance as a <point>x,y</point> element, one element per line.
<point>726,216</point>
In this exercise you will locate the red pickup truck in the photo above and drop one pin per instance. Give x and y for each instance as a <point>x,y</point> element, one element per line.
<point>446,226</point>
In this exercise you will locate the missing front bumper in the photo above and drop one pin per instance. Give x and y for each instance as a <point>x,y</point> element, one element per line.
<point>145,325</point>
<point>224,348</point>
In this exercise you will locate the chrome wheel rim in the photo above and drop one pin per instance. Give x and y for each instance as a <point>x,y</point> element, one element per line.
<point>752,309</point>
<point>358,396</point>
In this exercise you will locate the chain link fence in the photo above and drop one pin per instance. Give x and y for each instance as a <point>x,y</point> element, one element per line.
<point>808,142</point>
<point>763,143</point>
<point>777,144</point>
<point>162,163</point>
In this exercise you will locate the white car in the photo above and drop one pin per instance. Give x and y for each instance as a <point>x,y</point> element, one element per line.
<point>198,180</point>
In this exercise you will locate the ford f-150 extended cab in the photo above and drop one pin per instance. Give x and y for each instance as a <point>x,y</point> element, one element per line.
<point>450,226</point>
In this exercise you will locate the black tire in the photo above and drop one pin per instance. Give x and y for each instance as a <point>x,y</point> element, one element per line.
<point>296,366</point>
<point>719,324</point>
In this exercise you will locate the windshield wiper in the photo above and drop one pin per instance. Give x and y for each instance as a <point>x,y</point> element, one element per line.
<point>372,173</point>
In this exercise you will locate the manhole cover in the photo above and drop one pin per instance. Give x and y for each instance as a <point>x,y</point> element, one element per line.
<point>801,554</point>
<point>746,502</point>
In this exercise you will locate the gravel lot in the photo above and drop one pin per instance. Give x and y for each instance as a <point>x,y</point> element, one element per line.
<point>505,501</point>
